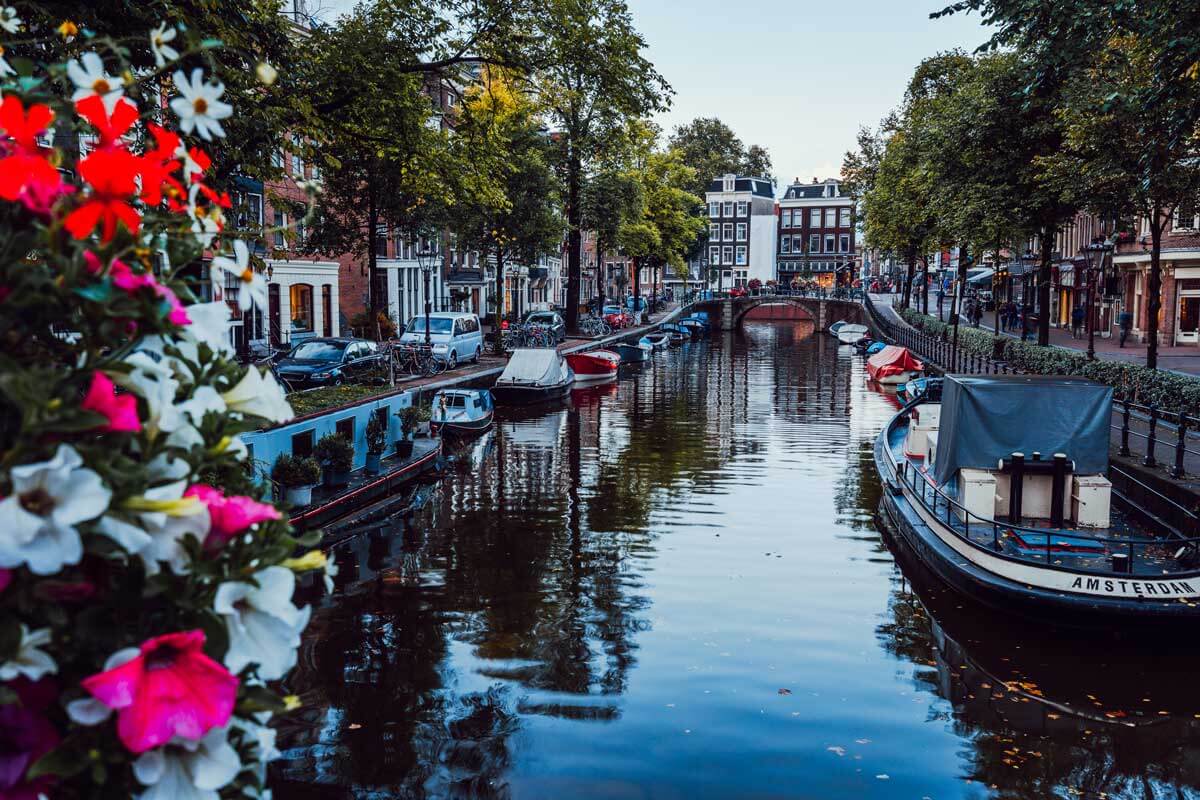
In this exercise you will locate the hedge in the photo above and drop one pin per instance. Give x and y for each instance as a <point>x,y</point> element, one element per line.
<point>1169,391</point>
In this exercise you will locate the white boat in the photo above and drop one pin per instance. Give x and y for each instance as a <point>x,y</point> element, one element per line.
<point>851,333</point>
<point>462,412</point>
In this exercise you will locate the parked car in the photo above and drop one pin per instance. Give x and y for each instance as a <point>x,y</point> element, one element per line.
<point>328,362</point>
<point>455,336</point>
<point>549,320</point>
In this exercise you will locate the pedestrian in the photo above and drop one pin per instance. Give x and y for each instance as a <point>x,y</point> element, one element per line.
<point>1125,321</point>
<point>1026,311</point>
<point>1077,315</point>
<point>976,313</point>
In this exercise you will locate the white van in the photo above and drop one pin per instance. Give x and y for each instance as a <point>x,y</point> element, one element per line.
<point>456,337</point>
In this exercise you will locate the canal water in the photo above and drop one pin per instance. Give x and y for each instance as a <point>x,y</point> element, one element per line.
<point>675,587</point>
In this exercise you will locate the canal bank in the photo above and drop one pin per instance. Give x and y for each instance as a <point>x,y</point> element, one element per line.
<point>673,586</point>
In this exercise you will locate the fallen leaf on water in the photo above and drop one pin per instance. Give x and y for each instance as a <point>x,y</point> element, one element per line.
<point>862,741</point>
<point>838,751</point>
<point>883,776</point>
<point>785,691</point>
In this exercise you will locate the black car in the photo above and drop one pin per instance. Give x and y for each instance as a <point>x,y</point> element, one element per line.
<point>328,362</point>
<point>550,320</point>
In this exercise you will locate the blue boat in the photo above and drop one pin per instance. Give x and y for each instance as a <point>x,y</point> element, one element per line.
<point>634,353</point>
<point>694,326</point>
<point>461,412</point>
<point>678,334</point>
<point>875,347</point>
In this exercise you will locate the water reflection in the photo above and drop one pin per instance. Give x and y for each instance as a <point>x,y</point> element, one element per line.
<point>673,586</point>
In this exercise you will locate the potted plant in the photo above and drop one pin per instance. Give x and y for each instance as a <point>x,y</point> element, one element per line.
<point>297,476</point>
<point>376,442</point>
<point>336,455</point>
<point>408,424</point>
<point>424,415</point>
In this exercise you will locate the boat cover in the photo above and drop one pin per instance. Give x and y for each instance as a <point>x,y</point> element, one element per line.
<point>987,418</point>
<point>892,360</point>
<point>534,366</point>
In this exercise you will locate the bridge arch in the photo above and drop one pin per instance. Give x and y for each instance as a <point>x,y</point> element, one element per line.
<point>730,313</point>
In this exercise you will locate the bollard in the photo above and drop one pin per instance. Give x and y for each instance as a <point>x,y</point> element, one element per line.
<point>1151,439</point>
<point>1120,563</point>
<point>1016,479</point>
<point>1180,447</point>
<point>1125,429</point>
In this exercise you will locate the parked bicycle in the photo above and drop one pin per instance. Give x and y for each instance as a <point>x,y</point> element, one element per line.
<point>594,326</point>
<point>416,360</point>
<point>530,335</point>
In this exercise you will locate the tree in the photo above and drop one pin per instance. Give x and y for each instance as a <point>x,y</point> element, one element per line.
<point>521,221</point>
<point>612,198</point>
<point>591,76</point>
<point>712,149</point>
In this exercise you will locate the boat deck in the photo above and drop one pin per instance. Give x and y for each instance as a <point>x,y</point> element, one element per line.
<point>1036,541</point>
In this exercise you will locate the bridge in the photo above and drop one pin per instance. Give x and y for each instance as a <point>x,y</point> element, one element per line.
<point>728,313</point>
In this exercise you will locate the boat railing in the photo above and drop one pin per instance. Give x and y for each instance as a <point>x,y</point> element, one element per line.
<point>1122,552</point>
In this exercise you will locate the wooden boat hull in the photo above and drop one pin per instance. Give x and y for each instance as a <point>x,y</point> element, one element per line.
<point>633,353</point>
<point>1059,596</point>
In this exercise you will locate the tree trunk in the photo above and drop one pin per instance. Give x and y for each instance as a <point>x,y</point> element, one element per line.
<point>912,273</point>
<point>923,298</point>
<point>1154,290</point>
<point>1043,296</point>
<point>499,333</point>
<point>961,298</point>
<point>574,237</point>
<point>372,262</point>
<point>601,290</point>
<point>637,285</point>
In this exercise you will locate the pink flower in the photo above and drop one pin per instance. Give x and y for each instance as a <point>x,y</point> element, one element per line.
<point>170,689</point>
<point>120,409</point>
<point>230,515</point>
<point>129,282</point>
<point>178,314</point>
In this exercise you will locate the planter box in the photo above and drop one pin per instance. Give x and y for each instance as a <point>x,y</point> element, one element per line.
<point>298,496</point>
<point>404,448</point>
<point>335,479</point>
<point>373,465</point>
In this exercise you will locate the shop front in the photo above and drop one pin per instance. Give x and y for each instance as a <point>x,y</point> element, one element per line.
<point>1187,314</point>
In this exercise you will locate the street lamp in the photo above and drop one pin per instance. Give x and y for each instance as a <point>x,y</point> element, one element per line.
<point>1096,253</point>
<point>427,259</point>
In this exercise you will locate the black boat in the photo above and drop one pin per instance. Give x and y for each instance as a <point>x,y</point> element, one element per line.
<point>533,375</point>
<point>999,487</point>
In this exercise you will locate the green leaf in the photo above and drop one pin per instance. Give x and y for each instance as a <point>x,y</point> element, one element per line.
<point>259,698</point>
<point>65,761</point>
<point>96,292</point>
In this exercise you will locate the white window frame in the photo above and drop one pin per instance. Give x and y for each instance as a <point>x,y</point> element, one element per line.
<point>817,247</point>
<point>727,232</point>
<point>727,208</point>
<point>1177,223</point>
<point>714,255</point>
<point>797,243</point>
<point>714,232</point>
<point>844,243</point>
<point>743,208</point>
<point>714,209</point>
<point>727,254</point>
<point>743,256</point>
<point>831,218</point>
<point>785,244</point>
<point>814,218</point>
<point>730,184</point>
<point>742,232</point>
<point>830,243</point>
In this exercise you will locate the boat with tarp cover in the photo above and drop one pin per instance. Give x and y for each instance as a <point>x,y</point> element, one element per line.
<point>894,365</point>
<point>533,375</point>
<point>999,485</point>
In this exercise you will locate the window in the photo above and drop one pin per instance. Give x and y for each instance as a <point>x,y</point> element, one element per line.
<point>741,231</point>
<point>714,255</point>
<point>302,307</point>
<point>829,242</point>
<point>277,159</point>
<point>300,231</point>
<point>714,232</point>
<point>844,243</point>
<point>727,232</point>
<point>831,218</point>
<point>727,208</point>
<point>741,208</point>
<point>814,218</point>
<point>786,222</point>
<point>797,243</point>
<point>280,223</point>
<point>785,244</point>
<point>1187,217</point>
<point>844,218</point>
<point>345,427</point>
<point>381,241</point>
<point>814,243</point>
<point>726,255</point>
<point>741,255</point>
<point>730,184</point>
<point>302,444</point>
<point>714,209</point>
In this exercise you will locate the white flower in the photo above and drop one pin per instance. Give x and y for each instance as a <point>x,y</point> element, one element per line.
<point>90,711</point>
<point>259,395</point>
<point>264,627</point>
<point>263,737</point>
<point>199,107</point>
<point>163,52</point>
<point>331,571</point>
<point>210,326</point>
<point>9,21</point>
<point>266,73</point>
<point>5,68</point>
<point>187,769</point>
<point>207,225</point>
<point>29,660</point>
<point>154,379</point>
<point>167,527</point>
<point>253,288</point>
<point>37,521</point>
<point>89,77</point>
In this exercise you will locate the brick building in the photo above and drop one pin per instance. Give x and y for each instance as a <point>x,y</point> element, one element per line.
<point>816,233</point>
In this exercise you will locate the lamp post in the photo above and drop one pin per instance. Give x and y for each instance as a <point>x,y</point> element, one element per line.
<point>426,260</point>
<point>1096,252</point>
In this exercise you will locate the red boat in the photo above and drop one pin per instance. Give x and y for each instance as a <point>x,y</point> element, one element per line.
<point>893,365</point>
<point>594,365</point>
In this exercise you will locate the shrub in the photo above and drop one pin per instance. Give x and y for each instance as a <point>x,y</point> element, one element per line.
<point>290,471</point>
<point>335,452</point>
<point>377,434</point>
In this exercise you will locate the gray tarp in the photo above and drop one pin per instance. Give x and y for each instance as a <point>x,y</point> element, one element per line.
<point>533,367</point>
<point>988,418</point>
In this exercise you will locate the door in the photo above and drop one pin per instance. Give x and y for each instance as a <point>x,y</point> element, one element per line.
<point>273,313</point>
<point>1188,330</point>
<point>327,310</point>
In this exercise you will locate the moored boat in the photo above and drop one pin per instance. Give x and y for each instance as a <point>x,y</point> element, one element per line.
<point>999,486</point>
<point>852,332</point>
<point>893,365</point>
<point>533,375</point>
<point>677,334</point>
<point>657,339</point>
<point>594,366</point>
<point>835,327</point>
<point>696,327</point>
<point>634,353</point>
<point>461,412</point>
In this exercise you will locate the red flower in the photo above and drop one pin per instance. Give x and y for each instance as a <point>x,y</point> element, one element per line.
<point>170,689</point>
<point>25,164</point>
<point>111,128</point>
<point>157,166</point>
<point>120,409</point>
<point>111,175</point>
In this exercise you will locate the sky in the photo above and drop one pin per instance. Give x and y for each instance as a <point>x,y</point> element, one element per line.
<point>796,76</point>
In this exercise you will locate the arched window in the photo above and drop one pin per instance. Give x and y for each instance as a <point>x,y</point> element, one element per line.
<point>302,307</point>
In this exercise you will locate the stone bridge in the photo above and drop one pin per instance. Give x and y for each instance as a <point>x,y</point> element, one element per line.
<point>728,313</point>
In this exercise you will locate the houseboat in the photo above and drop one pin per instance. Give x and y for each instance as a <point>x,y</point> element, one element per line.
<point>998,485</point>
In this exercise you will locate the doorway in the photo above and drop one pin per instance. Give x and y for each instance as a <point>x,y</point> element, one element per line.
<point>1187,329</point>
